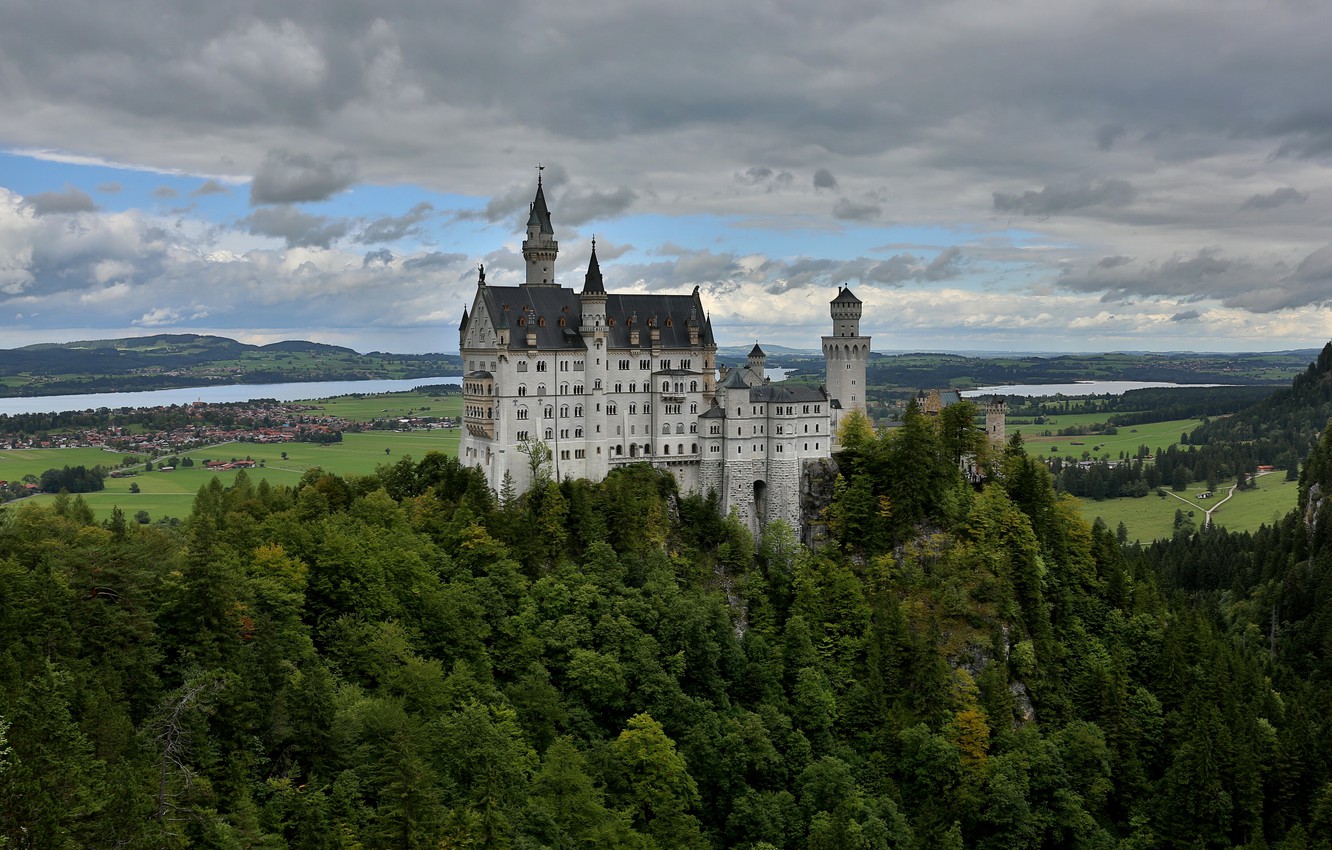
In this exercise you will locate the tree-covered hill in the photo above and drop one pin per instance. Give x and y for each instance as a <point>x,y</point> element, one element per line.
<point>403,660</point>
<point>173,360</point>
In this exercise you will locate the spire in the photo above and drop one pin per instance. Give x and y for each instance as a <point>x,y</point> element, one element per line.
<point>540,217</point>
<point>592,283</point>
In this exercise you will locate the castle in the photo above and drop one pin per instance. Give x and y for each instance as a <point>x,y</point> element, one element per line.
<point>603,380</point>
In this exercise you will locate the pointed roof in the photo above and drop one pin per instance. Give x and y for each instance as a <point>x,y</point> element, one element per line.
<point>735,381</point>
<point>845,296</point>
<point>756,351</point>
<point>592,283</point>
<point>540,216</point>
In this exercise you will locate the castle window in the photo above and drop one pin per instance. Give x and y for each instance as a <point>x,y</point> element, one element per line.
<point>564,389</point>
<point>665,386</point>
<point>541,365</point>
<point>816,408</point>
<point>647,407</point>
<point>564,411</point>
<point>611,408</point>
<point>578,389</point>
<point>645,365</point>
<point>679,427</point>
<point>693,386</point>
<point>693,448</point>
<point>541,322</point>
<point>580,453</point>
<point>578,365</point>
<point>816,427</point>
<point>522,389</point>
<point>550,433</point>
<point>633,387</point>
<point>578,410</point>
<point>596,385</point>
<point>619,388</point>
<point>666,429</point>
<point>624,365</point>
<point>693,408</point>
<point>521,414</point>
<point>807,408</point>
<point>578,432</point>
<point>665,364</point>
<point>564,365</point>
<point>633,408</point>
<point>541,389</point>
<point>679,449</point>
<point>684,364</point>
<point>522,365</point>
<point>666,449</point>
<point>548,413</point>
<point>564,433</point>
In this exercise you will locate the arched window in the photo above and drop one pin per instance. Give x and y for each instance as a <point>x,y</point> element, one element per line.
<point>611,408</point>
<point>522,389</point>
<point>521,414</point>
<point>619,387</point>
<point>633,408</point>
<point>693,448</point>
<point>541,389</point>
<point>550,433</point>
<point>679,427</point>
<point>548,412</point>
<point>665,386</point>
<point>633,386</point>
<point>596,385</point>
<point>693,386</point>
<point>578,410</point>
<point>680,449</point>
<point>564,411</point>
<point>666,429</point>
<point>564,389</point>
<point>541,365</point>
<point>666,449</point>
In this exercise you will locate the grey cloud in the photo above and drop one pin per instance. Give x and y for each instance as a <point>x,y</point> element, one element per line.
<point>1309,284</point>
<point>1053,200</point>
<point>433,260</point>
<point>299,229</point>
<point>850,210</point>
<point>581,206</point>
<point>109,188</point>
<point>946,265</point>
<point>824,179</point>
<point>760,175</point>
<point>165,192</point>
<point>1113,262</point>
<point>68,200</point>
<point>1186,316</point>
<point>1107,135</point>
<point>1274,199</point>
<point>1308,134</point>
<point>210,187</point>
<point>287,178</point>
<point>382,257</point>
<point>393,228</point>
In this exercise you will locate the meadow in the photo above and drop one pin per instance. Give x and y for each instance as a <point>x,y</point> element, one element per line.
<point>1156,435</point>
<point>1152,517</point>
<point>170,494</point>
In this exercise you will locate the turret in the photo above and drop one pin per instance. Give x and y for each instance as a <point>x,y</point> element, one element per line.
<point>756,366</point>
<point>845,309</point>
<point>594,295</point>
<point>846,353</point>
<point>540,247</point>
<point>995,410</point>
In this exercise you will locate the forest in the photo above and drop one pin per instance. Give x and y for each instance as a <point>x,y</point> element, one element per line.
<point>406,659</point>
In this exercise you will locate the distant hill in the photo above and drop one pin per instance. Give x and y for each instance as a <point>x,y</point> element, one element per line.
<point>174,360</point>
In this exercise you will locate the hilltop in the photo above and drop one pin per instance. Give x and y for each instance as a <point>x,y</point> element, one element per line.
<point>178,360</point>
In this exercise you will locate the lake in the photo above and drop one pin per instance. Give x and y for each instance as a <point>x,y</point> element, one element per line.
<point>1079,388</point>
<point>296,391</point>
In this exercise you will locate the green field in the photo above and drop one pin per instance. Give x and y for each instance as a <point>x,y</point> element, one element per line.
<point>1152,517</point>
<point>1157,435</point>
<point>368,408</point>
<point>171,494</point>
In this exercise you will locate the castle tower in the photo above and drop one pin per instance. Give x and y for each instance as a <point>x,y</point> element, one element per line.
<point>540,247</point>
<point>756,366</point>
<point>846,354</point>
<point>995,410</point>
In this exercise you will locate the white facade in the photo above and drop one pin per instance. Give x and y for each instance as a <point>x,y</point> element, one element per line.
<point>605,380</point>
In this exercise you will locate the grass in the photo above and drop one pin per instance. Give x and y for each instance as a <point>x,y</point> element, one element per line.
<point>1156,435</point>
<point>1152,517</point>
<point>171,494</point>
<point>366,408</point>
<point>16,464</point>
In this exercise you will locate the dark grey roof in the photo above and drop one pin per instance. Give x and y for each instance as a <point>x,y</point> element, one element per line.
<point>756,351</point>
<point>845,295</point>
<point>540,213</point>
<point>479,373</point>
<point>782,394</point>
<point>713,413</point>
<point>734,380</point>
<point>592,282</point>
<point>670,313</point>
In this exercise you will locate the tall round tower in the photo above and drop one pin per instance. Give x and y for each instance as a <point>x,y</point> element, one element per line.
<point>846,354</point>
<point>540,247</point>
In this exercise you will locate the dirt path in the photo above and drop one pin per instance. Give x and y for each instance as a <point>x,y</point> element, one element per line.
<point>1207,514</point>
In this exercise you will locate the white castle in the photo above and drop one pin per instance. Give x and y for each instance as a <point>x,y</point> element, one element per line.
<point>605,380</point>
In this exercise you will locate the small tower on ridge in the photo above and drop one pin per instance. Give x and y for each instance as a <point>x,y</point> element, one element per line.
<point>995,410</point>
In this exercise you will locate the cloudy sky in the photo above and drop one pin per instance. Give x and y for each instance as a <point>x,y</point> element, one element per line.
<point>1037,175</point>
